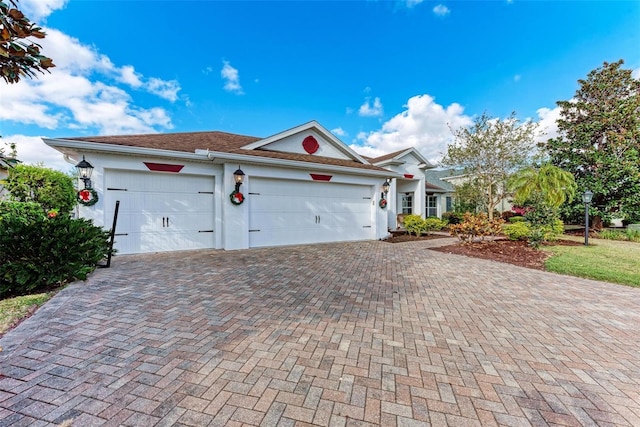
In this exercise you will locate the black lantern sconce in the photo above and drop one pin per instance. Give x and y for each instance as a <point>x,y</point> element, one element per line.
<point>385,188</point>
<point>85,169</point>
<point>587,196</point>
<point>238,176</point>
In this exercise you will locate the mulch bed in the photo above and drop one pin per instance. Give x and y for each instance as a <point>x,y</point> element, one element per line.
<point>511,252</point>
<point>404,237</point>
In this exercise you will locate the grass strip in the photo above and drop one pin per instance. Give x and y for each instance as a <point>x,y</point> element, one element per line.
<point>605,260</point>
<point>12,310</point>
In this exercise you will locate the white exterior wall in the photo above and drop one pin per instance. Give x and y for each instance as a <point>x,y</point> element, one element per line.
<point>293,144</point>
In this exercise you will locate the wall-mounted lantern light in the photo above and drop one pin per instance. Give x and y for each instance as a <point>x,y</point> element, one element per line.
<point>238,176</point>
<point>587,196</point>
<point>385,188</point>
<point>85,169</point>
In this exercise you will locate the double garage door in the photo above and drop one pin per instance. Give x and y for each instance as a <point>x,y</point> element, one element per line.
<point>160,212</point>
<point>283,212</point>
<point>170,212</point>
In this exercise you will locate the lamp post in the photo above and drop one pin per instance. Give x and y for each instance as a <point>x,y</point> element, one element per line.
<point>586,198</point>
<point>85,169</point>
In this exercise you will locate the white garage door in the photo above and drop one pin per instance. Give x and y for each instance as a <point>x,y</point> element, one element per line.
<point>298,212</point>
<point>160,211</point>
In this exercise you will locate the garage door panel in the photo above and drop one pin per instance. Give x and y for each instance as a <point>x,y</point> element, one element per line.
<point>301,212</point>
<point>161,212</point>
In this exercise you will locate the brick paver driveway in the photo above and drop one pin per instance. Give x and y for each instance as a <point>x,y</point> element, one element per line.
<point>364,333</point>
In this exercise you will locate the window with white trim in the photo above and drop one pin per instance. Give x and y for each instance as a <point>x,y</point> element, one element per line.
<point>432,205</point>
<point>407,203</point>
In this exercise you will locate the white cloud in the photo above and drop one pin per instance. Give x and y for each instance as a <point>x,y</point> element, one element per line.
<point>38,10</point>
<point>412,3</point>
<point>231,78</point>
<point>371,110</point>
<point>636,73</point>
<point>547,123</point>
<point>441,10</point>
<point>424,125</point>
<point>338,132</point>
<point>167,89</point>
<point>129,76</point>
<point>32,150</point>
<point>81,93</point>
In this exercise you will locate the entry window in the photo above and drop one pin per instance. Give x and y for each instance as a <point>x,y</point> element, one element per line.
<point>449,201</point>
<point>407,203</point>
<point>432,206</point>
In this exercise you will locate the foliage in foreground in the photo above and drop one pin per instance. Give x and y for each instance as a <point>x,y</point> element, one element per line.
<point>476,226</point>
<point>19,55</point>
<point>606,260</point>
<point>14,309</point>
<point>40,252</point>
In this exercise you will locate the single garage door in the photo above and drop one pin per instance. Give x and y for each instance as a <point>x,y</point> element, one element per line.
<point>160,211</point>
<point>299,212</point>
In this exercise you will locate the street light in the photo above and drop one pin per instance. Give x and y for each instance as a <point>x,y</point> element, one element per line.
<point>586,198</point>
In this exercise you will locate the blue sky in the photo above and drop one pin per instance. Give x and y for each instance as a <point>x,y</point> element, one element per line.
<point>381,75</point>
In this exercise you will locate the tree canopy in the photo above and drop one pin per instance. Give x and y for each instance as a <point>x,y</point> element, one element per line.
<point>19,55</point>
<point>489,151</point>
<point>599,142</point>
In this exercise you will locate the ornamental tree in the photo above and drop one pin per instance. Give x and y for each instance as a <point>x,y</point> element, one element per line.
<point>51,189</point>
<point>19,55</point>
<point>599,142</point>
<point>489,151</point>
<point>551,184</point>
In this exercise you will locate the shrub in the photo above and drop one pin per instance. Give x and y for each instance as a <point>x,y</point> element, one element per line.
<point>516,218</point>
<point>475,226</point>
<point>41,252</point>
<point>433,224</point>
<point>49,188</point>
<point>453,217</point>
<point>21,211</point>
<point>553,231</point>
<point>517,231</point>
<point>414,224</point>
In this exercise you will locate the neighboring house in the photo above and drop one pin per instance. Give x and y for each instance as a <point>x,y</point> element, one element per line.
<point>5,164</point>
<point>441,191</point>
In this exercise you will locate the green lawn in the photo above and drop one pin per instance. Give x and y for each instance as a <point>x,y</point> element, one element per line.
<point>14,309</point>
<point>606,260</point>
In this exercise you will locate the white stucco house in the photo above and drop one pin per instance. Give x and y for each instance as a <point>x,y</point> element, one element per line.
<point>301,186</point>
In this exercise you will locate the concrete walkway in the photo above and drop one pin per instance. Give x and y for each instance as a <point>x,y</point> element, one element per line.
<point>365,333</point>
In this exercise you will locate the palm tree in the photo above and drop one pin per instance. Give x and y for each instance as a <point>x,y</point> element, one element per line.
<point>553,184</point>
